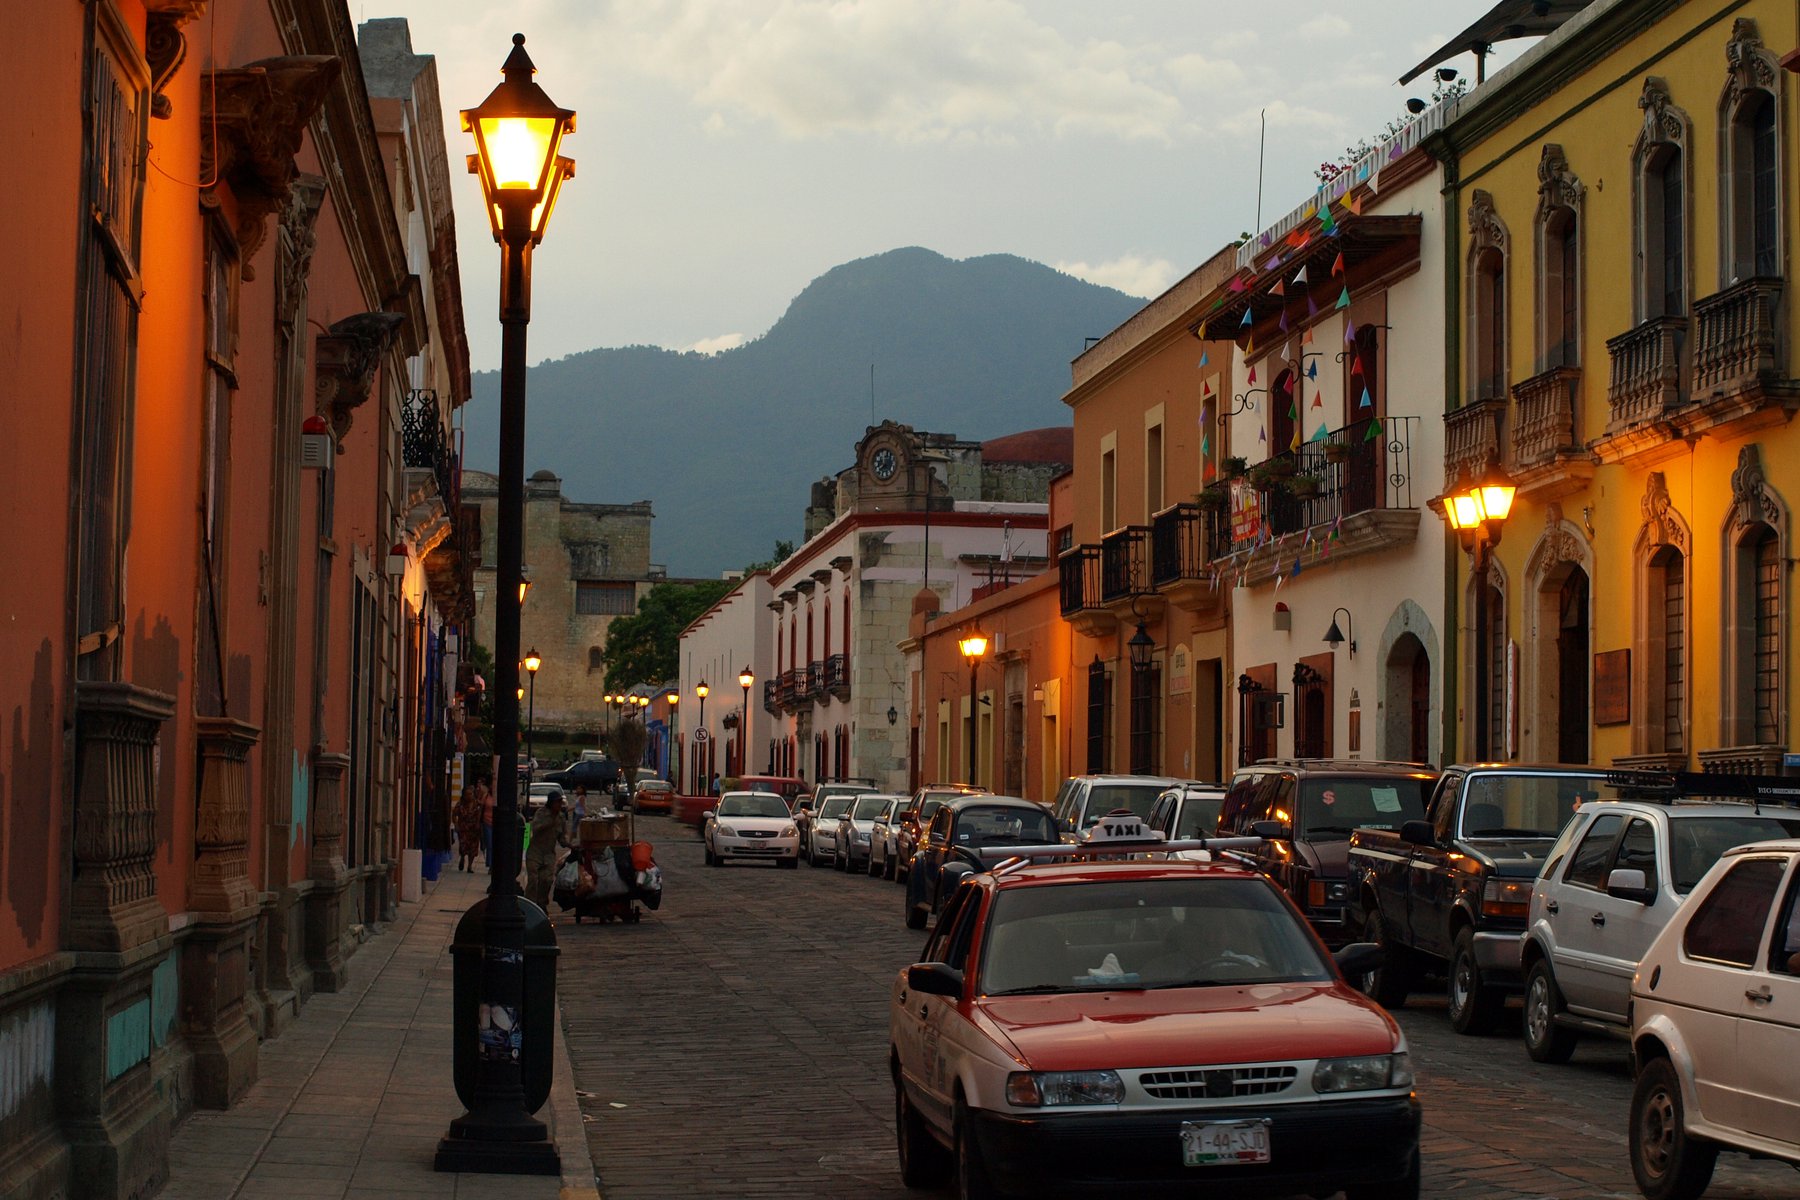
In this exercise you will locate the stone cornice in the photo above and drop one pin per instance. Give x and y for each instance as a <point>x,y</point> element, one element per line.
<point>345,365</point>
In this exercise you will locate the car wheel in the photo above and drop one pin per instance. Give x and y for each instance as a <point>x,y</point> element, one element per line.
<point>1668,1164</point>
<point>1545,1040</point>
<point>718,860</point>
<point>916,914</point>
<point>1404,1188</point>
<point>709,855</point>
<point>922,1161</point>
<point>889,866</point>
<point>1474,1006</point>
<point>1389,983</point>
<point>972,1181</point>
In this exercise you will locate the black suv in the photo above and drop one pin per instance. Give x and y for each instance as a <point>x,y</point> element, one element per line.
<point>1305,809</point>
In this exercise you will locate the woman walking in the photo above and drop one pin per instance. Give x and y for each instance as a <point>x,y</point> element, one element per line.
<point>468,828</point>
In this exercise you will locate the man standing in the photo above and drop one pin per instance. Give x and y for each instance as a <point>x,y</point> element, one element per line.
<point>540,858</point>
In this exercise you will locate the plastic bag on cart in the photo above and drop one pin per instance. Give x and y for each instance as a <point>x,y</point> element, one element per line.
<point>569,874</point>
<point>607,880</point>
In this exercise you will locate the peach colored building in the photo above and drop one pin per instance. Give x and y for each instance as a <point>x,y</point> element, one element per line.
<point>204,795</point>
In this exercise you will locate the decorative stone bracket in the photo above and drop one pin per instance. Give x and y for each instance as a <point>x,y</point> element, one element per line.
<point>114,905</point>
<point>345,363</point>
<point>260,112</point>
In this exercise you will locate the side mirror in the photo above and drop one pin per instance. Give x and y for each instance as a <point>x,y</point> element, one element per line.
<point>1418,833</point>
<point>1358,958</point>
<point>963,863</point>
<point>1628,883</point>
<point>1268,831</point>
<point>707,815</point>
<point>935,979</point>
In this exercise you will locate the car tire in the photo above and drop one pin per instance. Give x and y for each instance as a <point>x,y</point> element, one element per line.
<point>1545,1040</point>
<point>1390,983</point>
<point>1474,1006</point>
<point>1667,1163</point>
<point>923,1164</point>
<point>707,850</point>
<point>916,914</point>
<point>874,871</point>
<point>1404,1188</point>
<point>972,1180</point>
<point>718,860</point>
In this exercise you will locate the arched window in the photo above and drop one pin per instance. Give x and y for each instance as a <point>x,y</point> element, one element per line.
<point>1661,163</point>
<point>1488,243</point>
<point>1756,529</point>
<point>1559,261</point>
<point>1750,170</point>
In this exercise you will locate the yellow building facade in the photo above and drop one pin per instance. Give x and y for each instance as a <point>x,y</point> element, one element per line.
<point>1622,222</point>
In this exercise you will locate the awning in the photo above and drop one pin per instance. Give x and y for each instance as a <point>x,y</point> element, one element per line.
<point>1507,20</point>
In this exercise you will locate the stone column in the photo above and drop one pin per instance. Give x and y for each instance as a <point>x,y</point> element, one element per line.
<point>113,906</point>
<point>324,903</point>
<point>216,959</point>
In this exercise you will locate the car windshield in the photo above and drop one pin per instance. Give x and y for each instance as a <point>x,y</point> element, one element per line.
<point>835,807</point>
<point>933,803</point>
<point>1199,817</point>
<point>1151,933</point>
<point>1503,804</point>
<point>753,804</point>
<point>1108,797</point>
<point>998,825</point>
<point>868,808</point>
<point>1334,808</point>
<point>1696,843</point>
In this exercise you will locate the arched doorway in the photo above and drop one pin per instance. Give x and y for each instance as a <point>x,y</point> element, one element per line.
<point>1409,700</point>
<point>1572,652</point>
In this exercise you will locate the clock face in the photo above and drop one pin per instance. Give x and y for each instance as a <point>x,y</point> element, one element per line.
<point>884,464</point>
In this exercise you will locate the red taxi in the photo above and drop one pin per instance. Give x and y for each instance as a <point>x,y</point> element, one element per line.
<point>1133,1025</point>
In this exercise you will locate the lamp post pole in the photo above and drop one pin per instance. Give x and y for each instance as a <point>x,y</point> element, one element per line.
<point>745,679</point>
<point>706,746</point>
<point>517,132</point>
<point>973,645</point>
<point>1478,513</point>
<point>532,663</point>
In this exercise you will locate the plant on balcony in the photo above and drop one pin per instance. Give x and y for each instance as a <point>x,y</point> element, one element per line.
<point>1212,499</point>
<point>1336,451</point>
<point>1304,487</point>
<point>1270,472</point>
<point>1234,467</point>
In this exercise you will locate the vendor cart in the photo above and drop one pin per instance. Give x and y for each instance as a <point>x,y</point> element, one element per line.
<point>614,873</point>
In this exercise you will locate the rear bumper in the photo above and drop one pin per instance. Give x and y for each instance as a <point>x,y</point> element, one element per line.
<point>1316,1148</point>
<point>1500,955</point>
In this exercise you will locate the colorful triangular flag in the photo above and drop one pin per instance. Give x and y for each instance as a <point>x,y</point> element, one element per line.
<point>1204,359</point>
<point>1262,435</point>
<point>1375,183</point>
<point>1312,370</point>
<point>1306,339</point>
<point>1293,410</point>
<point>1282,324</point>
<point>1354,204</point>
<point>1246,319</point>
<point>1296,571</point>
<point>1355,365</point>
<point>1206,389</point>
<point>1278,290</point>
<point>1374,430</point>
<point>1367,402</point>
<point>1343,300</point>
<point>1322,435</point>
<point>1300,275</point>
<point>1237,283</point>
<point>1319,402</point>
<point>1252,372</point>
<point>1312,306</point>
<point>1349,329</point>
<point>1337,264</point>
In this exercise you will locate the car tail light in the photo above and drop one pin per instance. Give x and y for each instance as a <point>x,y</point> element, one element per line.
<point>1506,898</point>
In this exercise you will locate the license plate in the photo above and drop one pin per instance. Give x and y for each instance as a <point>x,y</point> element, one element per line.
<point>1224,1143</point>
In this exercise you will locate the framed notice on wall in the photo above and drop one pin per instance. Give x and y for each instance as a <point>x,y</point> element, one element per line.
<point>1612,687</point>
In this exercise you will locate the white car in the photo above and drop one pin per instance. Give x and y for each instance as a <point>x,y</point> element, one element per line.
<point>540,795</point>
<point>822,830</point>
<point>855,827</point>
<point>750,825</point>
<point>1715,1029</point>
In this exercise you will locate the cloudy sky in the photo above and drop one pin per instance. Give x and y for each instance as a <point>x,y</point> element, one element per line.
<point>730,151</point>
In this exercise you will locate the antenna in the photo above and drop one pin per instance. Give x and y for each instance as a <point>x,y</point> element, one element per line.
<point>871,393</point>
<point>1262,141</point>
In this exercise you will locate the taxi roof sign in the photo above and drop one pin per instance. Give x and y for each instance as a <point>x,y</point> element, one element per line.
<point>1120,825</point>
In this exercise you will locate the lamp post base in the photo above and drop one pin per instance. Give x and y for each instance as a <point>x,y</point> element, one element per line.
<point>474,1151</point>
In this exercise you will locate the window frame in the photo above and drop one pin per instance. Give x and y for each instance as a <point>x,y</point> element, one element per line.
<point>1753,85</point>
<point>1707,902</point>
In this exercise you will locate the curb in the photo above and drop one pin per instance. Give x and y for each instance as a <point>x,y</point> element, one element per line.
<point>578,1179</point>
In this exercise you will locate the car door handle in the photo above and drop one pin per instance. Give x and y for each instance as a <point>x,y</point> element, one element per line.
<point>1761,995</point>
<point>1552,907</point>
<point>1598,918</point>
<point>924,1011</point>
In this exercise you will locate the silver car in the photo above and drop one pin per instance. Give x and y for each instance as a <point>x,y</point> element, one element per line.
<point>884,837</point>
<point>856,828</point>
<point>821,849</point>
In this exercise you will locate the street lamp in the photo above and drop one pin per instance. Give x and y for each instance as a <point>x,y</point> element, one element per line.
<point>524,581</point>
<point>706,743</point>
<point>745,679</point>
<point>973,645</point>
<point>1477,511</point>
<point>517,130</point>
<point>532,663</point>
<point>672,750</point>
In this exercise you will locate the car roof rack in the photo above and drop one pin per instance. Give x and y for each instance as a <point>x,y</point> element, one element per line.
<point>1666,787</point>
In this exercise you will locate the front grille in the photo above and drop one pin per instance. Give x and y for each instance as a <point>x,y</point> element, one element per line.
<point>1219,1083</point>
<point>757,833</point>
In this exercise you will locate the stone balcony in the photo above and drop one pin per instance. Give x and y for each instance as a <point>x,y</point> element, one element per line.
<point>1474,434</point>
<point>1646,388</point>
<point>1549,460</point>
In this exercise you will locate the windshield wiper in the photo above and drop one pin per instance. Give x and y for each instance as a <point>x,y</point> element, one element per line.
<point>1524,833</point>
<point>1188,983</point>
<point>1346,830</point>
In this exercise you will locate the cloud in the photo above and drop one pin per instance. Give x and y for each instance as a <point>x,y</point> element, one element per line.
<point>909,70</point>
<point>1325,25</point>
<point>1132,274</point>
<point>717,345</point>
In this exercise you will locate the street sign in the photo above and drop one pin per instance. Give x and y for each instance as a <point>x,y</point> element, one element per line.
<point>700,735</point>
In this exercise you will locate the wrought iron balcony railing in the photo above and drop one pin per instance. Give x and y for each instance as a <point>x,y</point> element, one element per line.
<point>1125,563</point>
<point>837,676</point>
<point>771,695</point>
<point>1079,581</point>
<point>424,445</point>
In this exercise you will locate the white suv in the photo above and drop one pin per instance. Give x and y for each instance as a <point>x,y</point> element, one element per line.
<point>1616,876</point>
<point>1715,1028</point>
<point>1084,799</point>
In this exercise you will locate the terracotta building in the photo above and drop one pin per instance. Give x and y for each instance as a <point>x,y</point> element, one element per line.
<point>206,649</point>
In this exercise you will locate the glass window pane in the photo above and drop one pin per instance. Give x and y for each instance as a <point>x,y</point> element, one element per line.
<point>1593,857</point>
<point>1728,925</point>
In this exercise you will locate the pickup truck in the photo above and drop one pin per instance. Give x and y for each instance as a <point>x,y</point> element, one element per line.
<point>1449,894</point>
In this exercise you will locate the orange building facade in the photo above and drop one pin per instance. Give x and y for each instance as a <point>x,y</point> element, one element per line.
<point>221,628</point>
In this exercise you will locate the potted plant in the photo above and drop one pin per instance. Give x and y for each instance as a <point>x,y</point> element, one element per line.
<point>1336,451</point>
<point>1305,487</point>
<point>1213,499</point>
<point>1234,467</point>
<point>1263,476</point>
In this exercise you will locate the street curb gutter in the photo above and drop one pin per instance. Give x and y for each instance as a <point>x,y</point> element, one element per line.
<point>570,1131</point>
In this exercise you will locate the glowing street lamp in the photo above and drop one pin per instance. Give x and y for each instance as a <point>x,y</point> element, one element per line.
<point>1477,511</point>
<point>745,679</point>
<point>974,645</point>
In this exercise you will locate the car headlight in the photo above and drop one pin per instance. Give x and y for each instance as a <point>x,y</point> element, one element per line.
<point>862,837</point>
<point>727,831</point>
<point>789,831</point>
<point>1506,898</point>
<point>1042,1089</point>
<point>1366,1073</point>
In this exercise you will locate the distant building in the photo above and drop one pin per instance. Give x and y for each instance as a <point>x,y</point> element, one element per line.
<point>588,564</point>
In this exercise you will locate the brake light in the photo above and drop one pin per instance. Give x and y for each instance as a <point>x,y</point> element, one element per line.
<point>1506,898</point>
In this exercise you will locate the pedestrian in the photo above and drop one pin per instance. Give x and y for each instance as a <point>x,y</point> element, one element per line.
<point>540,858</point>
<point>468,828</point>
<point>577,811</point>
<point>487,822</point>
<point>717,786</point>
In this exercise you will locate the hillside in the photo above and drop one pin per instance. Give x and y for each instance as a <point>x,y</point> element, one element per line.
<point>726,446</point>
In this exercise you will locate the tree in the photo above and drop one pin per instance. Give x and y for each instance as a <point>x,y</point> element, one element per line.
<point>645,647</point>
<point>628,740</point>
<point>784,550</point>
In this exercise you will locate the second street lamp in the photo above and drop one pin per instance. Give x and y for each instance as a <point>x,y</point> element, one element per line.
<point>745,679</point>
<point>517,130</point>
<point>1478,511</point>
<point>701,766</point>
<point>973,645</point>
<point>532,663</point>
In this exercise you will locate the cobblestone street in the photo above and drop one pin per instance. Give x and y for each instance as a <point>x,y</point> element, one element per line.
<point>734,1044</point>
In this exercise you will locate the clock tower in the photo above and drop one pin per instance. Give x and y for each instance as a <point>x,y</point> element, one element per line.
<point>892,475</point>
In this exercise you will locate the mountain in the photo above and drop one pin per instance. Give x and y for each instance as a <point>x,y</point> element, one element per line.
<point>726,446</point>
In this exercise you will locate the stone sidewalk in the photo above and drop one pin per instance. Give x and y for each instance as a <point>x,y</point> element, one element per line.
<point>354,1095</point>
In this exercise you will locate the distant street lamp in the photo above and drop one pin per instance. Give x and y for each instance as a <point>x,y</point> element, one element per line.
<point>706,743</point>
<point>745,679</point>
<point>973,645</point>
<point>517,130</point>
<point>532,663</point>
<point>672,750</point>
